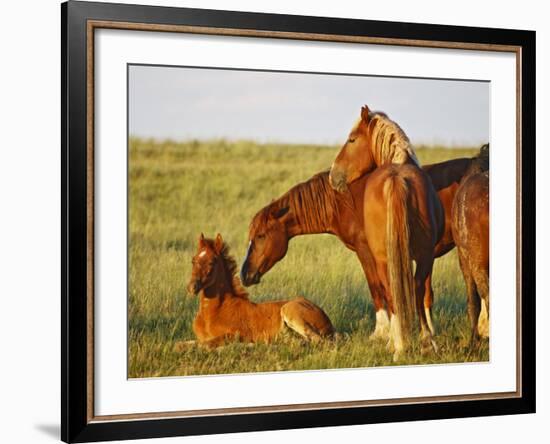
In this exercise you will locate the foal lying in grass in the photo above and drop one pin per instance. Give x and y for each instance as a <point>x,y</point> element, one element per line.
<point>226,313</point>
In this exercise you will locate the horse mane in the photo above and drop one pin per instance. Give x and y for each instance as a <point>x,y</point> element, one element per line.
<point>231,268</point>
<point>313,204</point>
<point>480,162</point>
<point>482,159</point>
<point>389,141</point>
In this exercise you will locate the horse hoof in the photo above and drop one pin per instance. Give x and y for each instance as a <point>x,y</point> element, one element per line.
<point>181,346</point>
<point>396,356</point>
<point>377,336</point>
<point>428,347</point>
<point>483,329</point>
<point>474,344</point>
<point>338,337</point>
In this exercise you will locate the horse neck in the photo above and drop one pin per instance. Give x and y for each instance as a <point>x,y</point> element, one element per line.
<point>445,174</point>
<point>296,227</point>
<point>313,207</point>
<point>215,294</point>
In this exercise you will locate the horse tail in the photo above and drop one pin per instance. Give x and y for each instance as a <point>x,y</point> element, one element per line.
<point>400,270</point>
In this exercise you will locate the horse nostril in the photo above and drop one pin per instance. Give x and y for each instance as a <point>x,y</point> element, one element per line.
<point>194,287</point>
<point>254,279</point>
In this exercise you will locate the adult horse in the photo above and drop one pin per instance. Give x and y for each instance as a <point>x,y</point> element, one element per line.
<point>314,207</point>
<point>470,228</point>
<point>405,215</point>
<point>446,178</point>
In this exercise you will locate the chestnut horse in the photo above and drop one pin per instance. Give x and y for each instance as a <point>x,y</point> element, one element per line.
<point>470,227</point>
<point>314,207</point>
<point>226,313</point>
<point>405,215</point>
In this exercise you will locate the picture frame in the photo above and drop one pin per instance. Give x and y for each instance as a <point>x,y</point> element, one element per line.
<point>80,21</point>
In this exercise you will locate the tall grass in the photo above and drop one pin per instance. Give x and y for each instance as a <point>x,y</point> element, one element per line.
<point>178,190</point>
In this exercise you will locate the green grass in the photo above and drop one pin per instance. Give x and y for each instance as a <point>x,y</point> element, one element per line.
<point>178,190</point>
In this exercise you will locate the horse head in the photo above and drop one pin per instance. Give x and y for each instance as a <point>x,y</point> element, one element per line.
<point>375,140</point>
<point>207,263</point>
<point>355,157</point>
<point>268,243</point>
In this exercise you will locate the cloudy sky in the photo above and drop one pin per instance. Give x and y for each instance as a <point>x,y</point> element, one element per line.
<point>183,103</point>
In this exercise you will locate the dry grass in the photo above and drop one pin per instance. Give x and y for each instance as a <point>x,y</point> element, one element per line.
<point>177,190</point>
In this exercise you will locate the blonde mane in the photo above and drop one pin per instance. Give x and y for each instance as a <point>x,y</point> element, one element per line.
<point>389,142</point>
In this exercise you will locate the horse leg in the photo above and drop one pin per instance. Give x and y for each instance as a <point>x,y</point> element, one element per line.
<point>396,343</point>
<point>474,308</point>
<point>294,315</point>
<point>428,301</point>
<point>382,329</point>
<point>215,342</point>
<point>421,276</point>
<point>474,302</point>
<point>182,346</point>
<point>382,326</point>
<point>483,322</point>
<point>482,285</point>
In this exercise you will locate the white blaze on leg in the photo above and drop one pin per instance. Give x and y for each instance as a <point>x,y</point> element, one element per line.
<point>429,319</point>
<point>382,329</point>
<point>396,336</point>
<point>483,321</point>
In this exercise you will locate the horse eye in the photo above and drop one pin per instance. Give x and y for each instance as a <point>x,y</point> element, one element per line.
<point>261,236</point>
<point>350,140</point>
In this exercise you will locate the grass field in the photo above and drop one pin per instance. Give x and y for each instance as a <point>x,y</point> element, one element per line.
<point>178,190</point>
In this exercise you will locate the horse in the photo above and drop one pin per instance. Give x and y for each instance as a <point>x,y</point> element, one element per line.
<point>226,313</point>
<point>314,207</point>
<point>405,215</point>
<point>470,228</point>
<point>446,177</point>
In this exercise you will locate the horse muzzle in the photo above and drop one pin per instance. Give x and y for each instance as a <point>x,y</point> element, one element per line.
<point>337,180</point>
<point>248,278</point>
<point>194,287</point>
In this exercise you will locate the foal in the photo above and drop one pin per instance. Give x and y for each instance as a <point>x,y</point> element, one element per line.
<point>226,313</point>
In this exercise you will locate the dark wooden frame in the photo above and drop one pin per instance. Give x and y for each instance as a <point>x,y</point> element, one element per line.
<point>79,19</point>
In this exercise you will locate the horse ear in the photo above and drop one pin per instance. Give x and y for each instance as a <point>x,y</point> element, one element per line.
<point>201,240</point>
<point>218,245</point>
<point>280,212</point>
<point>365,113</point>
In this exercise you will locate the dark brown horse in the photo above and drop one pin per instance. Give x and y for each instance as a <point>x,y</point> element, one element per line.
<point>225,312</point>
<point>314,207</point>
<point>470,228</point>
<point>404,214</point>
<point>446,177</point>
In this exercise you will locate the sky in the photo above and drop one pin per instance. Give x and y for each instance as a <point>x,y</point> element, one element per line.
<point>195,103</point>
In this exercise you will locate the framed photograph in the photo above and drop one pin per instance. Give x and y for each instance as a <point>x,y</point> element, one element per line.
<point>275,221</point>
